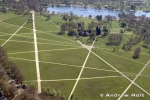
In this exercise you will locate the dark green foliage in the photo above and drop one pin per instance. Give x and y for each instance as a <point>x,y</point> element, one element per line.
<point>115,39</point>
<point>127,46</point>
<point>51,94</point>
<point>99,17</point>
<point>136,53</point>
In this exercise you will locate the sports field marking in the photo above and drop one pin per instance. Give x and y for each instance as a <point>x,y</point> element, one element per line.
<point>132,82</point>
<point>45,50</point>
<point>120,73</point>
<point>87,47</point>
<point>36,53</point>
<point>13,34</point>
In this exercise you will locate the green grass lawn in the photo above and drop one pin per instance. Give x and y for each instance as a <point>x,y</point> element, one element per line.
<point>55,71</point>
<point>120,63</point>
<point>27,68</point>
<point>135,90</point>
<point>71,57</point>
<point>53,36</point>
<point>43,25</point>
<point>88,73</point>
<point>143,81</point>
<point>18,20</point>
<point>28,55</point>
<point>66,63</point>
<point>12,46</point>
<point>7,28</point>
<point>94,62</point>
<point>147,70</point>
<point>91,89</point>
<point>64,86</point>
<point>4,16</point>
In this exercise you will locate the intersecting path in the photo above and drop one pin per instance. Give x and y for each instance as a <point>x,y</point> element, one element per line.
<point>36,53</point>
<point>89,48</point>
<point>13,34</point>
<point>132,82</point>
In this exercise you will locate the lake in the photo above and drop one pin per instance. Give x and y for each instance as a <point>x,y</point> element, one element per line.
<point>92,11</point>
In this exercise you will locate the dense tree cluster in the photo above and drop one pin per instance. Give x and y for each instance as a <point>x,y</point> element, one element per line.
<point>115,39</point>
<point>127,46</point>
<point>51,94</point>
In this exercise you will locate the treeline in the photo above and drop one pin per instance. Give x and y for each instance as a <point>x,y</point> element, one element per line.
<point>9,71</point>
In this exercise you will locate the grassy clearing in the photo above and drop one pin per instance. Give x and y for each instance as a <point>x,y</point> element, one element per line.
<point>24,30</point>
<point>144,81</point>
<point>50,71</point>
<point>7,28</point>
<point>95,62</point>
<point>87,73</point>
<point>43,25</point>
<point>29,25</point>
<point>11,46</point>
<point>147,70</point>
<point>18,20</point>
<point>1,42</point>
<point>4,16</point>
<point>5,37</point>
<point>91,89</point>
<point>30,55</point>
<point>72,57</point>
<point>54,37</point>
<point>52,47</point>
<point>64,86</point>
<point>135,90</point>
<point>126,55</point>
<point>120,63</point>
<point>20,38</point>
<point>27,68</point>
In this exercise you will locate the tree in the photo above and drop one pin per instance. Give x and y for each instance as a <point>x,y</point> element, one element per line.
<point>99,17</point>
<point>127,46</point>
<point>136,53</point>
<point>90,16</point>
<point>63,27</point>
<point>3,10</point>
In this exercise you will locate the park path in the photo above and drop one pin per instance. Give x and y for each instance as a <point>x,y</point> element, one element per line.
<point>132,82</point>
<point>89,48</point>
<point>36,54</point>
<point>14,34</point>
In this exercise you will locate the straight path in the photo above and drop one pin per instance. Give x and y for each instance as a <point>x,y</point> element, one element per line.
<point>36,54</point>
<point>13,34</point>
<point>132,82</point>
<point>89,48</point>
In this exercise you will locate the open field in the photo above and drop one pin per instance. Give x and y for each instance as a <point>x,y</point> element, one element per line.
<point>64,64</point>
